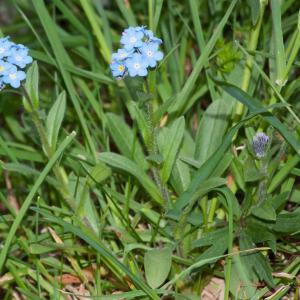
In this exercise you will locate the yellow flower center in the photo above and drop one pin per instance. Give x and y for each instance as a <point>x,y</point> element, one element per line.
<point>13,76</point>
<point>121,68</point>
<point>2,69</point>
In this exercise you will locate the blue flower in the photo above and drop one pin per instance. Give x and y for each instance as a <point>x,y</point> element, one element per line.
<point>19,56</point>
<point>4,67</point>
<point>151,53</point>
<point>136,65</point>
<point>5,47</point>
<point>151,38</point>
<point>260,144</point>
<point>118,68</point>
<point>121,54</point>
<point>14,77</point>
<point>132,38</point>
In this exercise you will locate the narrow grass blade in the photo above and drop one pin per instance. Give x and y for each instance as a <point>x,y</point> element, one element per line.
<point>278,43</point>
<point>90,13</point>
<point>62,59</point>
<point>185,92</point>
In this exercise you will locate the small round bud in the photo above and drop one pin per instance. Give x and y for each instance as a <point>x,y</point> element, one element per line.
<point>260,143</point>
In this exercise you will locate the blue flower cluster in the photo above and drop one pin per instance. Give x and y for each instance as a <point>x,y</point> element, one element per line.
<point>139,52</point>
<point>13,58</point>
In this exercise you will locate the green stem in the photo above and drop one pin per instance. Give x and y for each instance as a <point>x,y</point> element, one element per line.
<point>212,210</point>
<point>152,148</point>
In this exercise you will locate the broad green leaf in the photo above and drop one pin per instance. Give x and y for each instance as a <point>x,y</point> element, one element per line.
<point>181,174</point>
<point>172,138</point>
<point>240,283</point>
<point>55,118</point>
<point>264,211</point>
<point>255,10</point>
<point>142,123</point>
<point>257,264</point>
<point>287,222</point>
<point>208,185</point>
<point>84,204</point>
<point>211,237</point>
<point>211,130</point>
<point>157,263</point>
<point>125,140</point>
<point>210,165</point>
<point>237,171</point>
<point>124,164</point>
<point>32,87</point>
<point>98,173</point>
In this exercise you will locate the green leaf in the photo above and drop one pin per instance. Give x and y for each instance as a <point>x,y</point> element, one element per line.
<point>240,283</point>
<point>287,222</point>
<point>125,140</point>
<point>255,10</point>
<point>255,262</point>
<point>32,87</point>
<point>251,173</point>
<point>264,211</point>
<point>55,118</point>
<point>157,263</point>
<point>211,130</point>
<point>209,166</point>
<point>279,51</point>
<point>171,144</point>
<point>124,164</point>
<point>211,237</point>
<point>85,207</point>
<point>99,173</point>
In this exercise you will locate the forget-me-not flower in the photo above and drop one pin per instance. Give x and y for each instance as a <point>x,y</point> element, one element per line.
<point>137,65</point>
<point>4,67</point>
<point>14,77</point>
<point>118,68</point>
<point>19,57</point>
<point>121,54</point>
<point>13,57</point>
<point>151,53</point>
<point>5,47</point>
<point>140,51</point>
<point>132,38</point>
